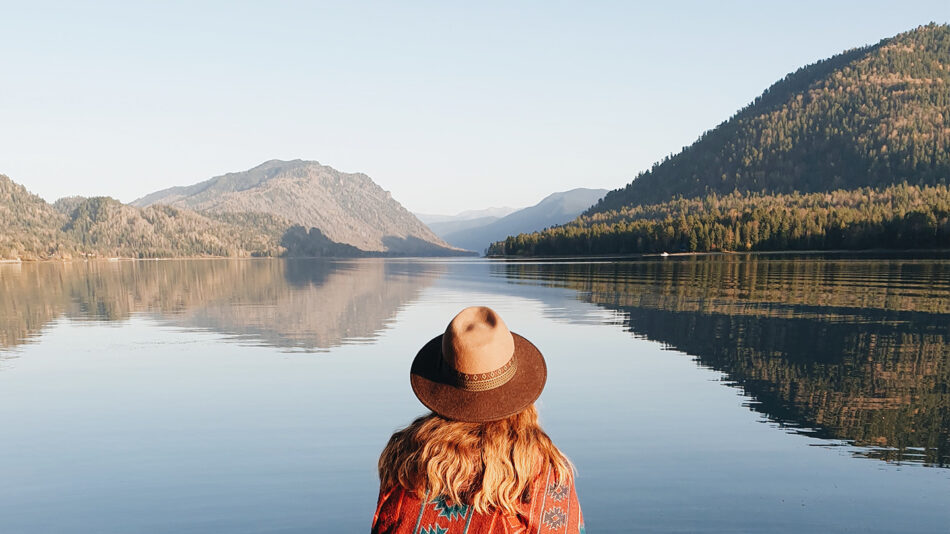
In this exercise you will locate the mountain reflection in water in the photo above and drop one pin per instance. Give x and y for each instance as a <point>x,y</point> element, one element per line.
<point>292,304</point>
<point>845,350</point>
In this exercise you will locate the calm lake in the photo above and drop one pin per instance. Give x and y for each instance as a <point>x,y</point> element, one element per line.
<point>700,394</point>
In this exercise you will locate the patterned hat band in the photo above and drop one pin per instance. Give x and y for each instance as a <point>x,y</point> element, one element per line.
<point>483,381</point>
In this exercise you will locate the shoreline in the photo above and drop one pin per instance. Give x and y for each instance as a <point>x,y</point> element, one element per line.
<point>598,258</point>
<point>20,261</point>
<point>661,255</point>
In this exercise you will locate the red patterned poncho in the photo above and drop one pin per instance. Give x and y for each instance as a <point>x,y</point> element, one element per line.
<point>552,509</point>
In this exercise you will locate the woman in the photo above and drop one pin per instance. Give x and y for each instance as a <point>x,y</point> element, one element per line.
<point>479,463</point>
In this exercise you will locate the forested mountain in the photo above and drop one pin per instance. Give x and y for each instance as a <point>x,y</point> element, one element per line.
<point>29,225</point>
<point>348,209</point>
<point>67,205</point>
<point>556,208</point>
<point>851,152</point>
<point>872,116</point>
<point>108,227</point>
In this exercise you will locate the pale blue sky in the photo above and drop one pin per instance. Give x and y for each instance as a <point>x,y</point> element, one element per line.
<point>449,105</point>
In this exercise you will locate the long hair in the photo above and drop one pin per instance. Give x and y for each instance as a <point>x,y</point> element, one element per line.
<point>485,465</point>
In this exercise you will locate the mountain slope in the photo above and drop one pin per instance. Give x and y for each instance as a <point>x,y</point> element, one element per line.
<point>557,208</point>
<point>872,116</point>
<point>104,227</point>
<point>107,227</point>
<point>346,208</point>
<point>30,226</point>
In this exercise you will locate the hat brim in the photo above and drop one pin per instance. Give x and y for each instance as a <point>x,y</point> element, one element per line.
<point>448,400</point>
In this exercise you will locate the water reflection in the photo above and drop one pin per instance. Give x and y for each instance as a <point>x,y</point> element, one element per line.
<point>845,350</point>
<point>292,304</point>
<point>840,349</point>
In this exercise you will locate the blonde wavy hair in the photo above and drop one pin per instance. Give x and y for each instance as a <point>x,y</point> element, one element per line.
<point>485,465</point>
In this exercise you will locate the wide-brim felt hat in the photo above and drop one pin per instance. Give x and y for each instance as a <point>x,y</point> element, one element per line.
<point>478,370</point>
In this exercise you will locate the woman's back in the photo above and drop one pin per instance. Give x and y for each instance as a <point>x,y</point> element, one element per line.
<point>550,508</point>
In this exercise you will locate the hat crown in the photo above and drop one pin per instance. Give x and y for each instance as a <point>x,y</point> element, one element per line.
<point>477,341</point>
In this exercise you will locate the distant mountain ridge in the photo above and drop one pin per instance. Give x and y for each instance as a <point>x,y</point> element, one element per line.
<point>868,117</point>
<point>444,228</point>
<point>346,208</point>
<point>467,215</point>
<point>556,208</point>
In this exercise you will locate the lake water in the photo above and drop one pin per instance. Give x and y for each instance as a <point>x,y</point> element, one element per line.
<point>704,394</point>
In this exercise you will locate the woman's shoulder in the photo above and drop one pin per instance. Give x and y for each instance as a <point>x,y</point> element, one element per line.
<point>554,506</point>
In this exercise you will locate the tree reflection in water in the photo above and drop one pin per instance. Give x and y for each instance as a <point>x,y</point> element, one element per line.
<point>853,350</point>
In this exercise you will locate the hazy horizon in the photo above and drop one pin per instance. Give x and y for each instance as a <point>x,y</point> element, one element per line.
<point>498,105</point>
